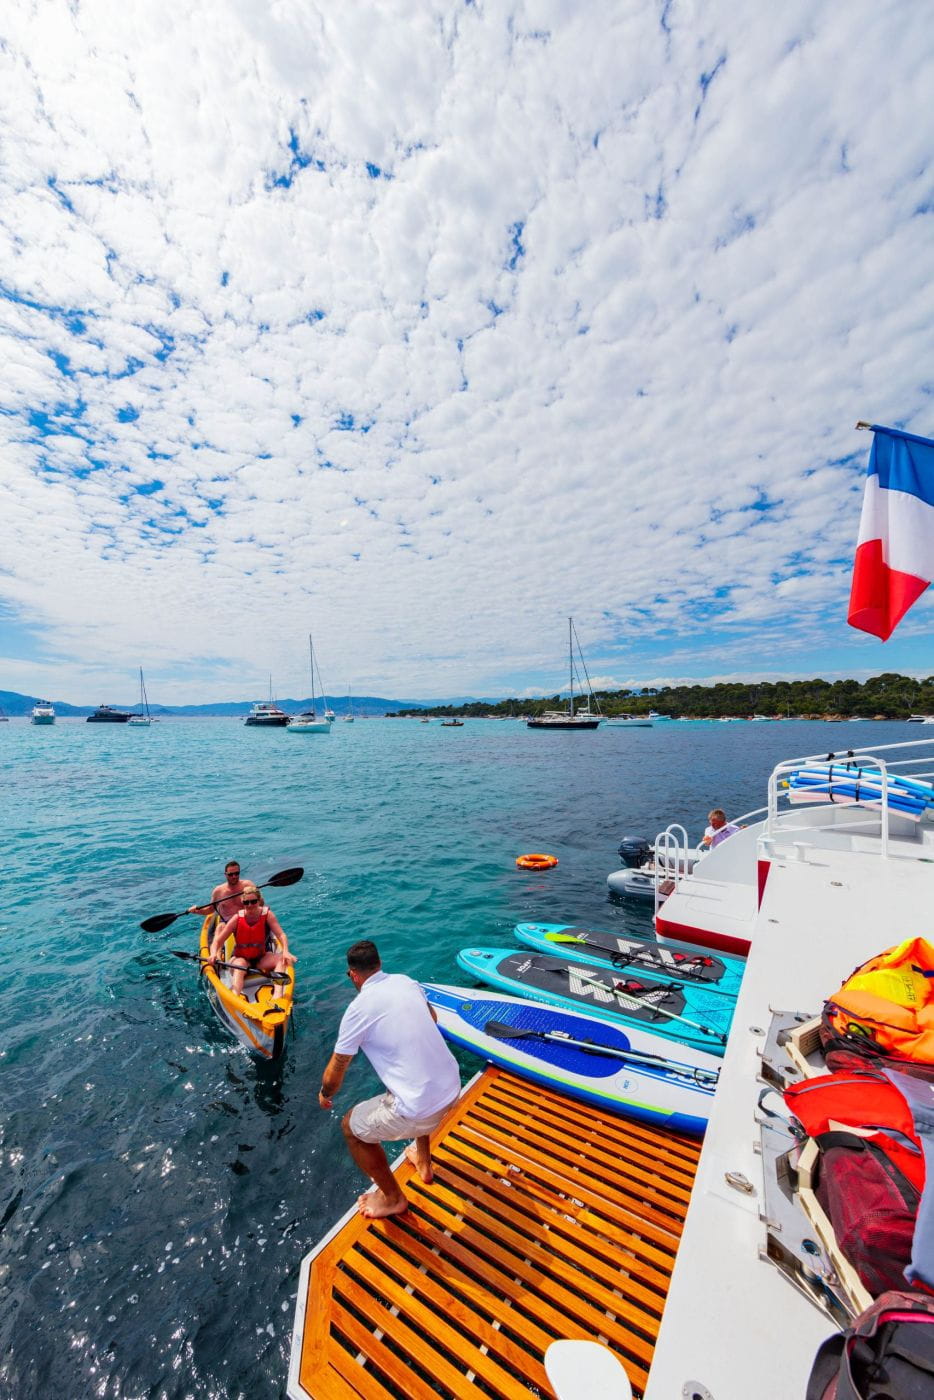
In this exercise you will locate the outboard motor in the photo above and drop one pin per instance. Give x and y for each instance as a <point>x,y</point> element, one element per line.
<point>634,851</point>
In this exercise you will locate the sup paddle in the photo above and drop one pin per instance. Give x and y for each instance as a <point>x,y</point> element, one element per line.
<point>193,957</point>
<point>690,968</point>
<point>500,1030</point>
<point>157,922</point>
<point>628,1002</point>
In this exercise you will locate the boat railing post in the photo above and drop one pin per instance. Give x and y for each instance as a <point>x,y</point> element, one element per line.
<point>671,860</point>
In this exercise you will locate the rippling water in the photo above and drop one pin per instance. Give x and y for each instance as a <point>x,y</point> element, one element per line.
<point>159,1187</point>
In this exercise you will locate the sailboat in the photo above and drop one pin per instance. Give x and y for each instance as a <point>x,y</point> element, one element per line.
<point>308,722</point>
<point>144,719</point>
<point>583,718</point>
<point>348,717</point>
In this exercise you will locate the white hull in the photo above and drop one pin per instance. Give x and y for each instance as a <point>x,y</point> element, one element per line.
<point>310,726</point>
<point>830,899</point>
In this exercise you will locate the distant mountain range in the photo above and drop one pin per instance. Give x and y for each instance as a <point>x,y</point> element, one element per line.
<point>14,704</point>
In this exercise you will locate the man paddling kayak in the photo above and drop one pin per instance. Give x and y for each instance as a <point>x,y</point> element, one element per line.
<point>254,927</point>
<point>225,898</point>
<point>391,1022</point>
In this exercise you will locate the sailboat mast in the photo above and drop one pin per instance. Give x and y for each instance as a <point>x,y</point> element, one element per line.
<point>311,663</point>
<point>571,667</point>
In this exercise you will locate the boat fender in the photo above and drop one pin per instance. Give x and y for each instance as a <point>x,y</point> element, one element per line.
<point>536,861</point>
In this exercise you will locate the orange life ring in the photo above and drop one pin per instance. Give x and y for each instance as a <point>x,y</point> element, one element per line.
<point>536,861</point>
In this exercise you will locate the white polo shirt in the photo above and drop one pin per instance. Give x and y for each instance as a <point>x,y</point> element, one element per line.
<point>390,1022</point>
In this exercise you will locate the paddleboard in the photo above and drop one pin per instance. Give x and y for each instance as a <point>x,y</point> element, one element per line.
<point>640,956</point>
<point>676,1011</point>
<point>676,1093</point>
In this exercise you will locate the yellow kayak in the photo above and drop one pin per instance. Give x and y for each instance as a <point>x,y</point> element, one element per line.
<point>259,1016</point>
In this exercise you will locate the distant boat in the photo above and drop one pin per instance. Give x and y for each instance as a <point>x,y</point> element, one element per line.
<point>4,717</point>
<point>144,719</point>
<point>630,722</point>
<point>569,719</point>
<point>348,717</point>
<point>266,714</point>
<point>308,722</point>
<point>106,714</point>
<point>452,724</point>
<point>42,712</point>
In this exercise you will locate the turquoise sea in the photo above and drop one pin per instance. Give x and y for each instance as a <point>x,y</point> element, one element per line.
<point>159,1187</point>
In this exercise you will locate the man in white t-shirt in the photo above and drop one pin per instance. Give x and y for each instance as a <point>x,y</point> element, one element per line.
<point>391,1022</point>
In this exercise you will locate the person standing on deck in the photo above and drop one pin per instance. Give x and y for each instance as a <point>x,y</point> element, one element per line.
<point>225,898</point>
<point>719,828</point>
<point>391,1022</point>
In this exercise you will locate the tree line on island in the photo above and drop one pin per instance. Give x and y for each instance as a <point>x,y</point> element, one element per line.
<point>889,696</point>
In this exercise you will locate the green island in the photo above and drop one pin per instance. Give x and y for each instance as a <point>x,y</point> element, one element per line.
<point>889,696</point>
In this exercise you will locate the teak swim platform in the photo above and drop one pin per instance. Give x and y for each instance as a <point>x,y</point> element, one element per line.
<point>546,1219</point>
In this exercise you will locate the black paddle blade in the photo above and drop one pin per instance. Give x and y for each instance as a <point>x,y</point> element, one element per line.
<point>286,877</point>
<point>159,921</point>
<point>500,1030</point>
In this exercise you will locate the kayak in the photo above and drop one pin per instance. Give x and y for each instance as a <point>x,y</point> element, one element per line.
<point>628,1072</point>
<point>675,1010</point>
<point>259,1017</point>
<point>641,956</point>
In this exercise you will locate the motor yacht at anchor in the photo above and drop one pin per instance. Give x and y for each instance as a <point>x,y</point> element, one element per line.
<point>266,714</point>
<point>106,714</point>
<point>43,712</point>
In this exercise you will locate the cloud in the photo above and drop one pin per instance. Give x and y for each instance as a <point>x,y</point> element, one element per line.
<point>423,328</point>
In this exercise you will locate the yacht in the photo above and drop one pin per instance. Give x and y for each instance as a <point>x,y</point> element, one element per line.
<point>266,714</point>
<point>143,719</point>
<point>43,712</point>
<point>106,714</point>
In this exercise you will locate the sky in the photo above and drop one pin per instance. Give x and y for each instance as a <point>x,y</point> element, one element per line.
<point>424,326</point>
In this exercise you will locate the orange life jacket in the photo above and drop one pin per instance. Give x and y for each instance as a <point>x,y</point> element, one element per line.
<point>250,939</point>
<point>889,1001</point>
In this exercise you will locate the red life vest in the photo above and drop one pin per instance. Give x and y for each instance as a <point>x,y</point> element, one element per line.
<point>250,939</point>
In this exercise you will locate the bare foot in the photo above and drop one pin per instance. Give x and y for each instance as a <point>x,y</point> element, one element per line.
<point>374,1206</point>
<point>411,1155</point>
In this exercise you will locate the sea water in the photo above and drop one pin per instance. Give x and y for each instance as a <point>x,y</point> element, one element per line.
<point>160,1186</point>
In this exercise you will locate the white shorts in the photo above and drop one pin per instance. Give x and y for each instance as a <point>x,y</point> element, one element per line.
<point>376,1120</point>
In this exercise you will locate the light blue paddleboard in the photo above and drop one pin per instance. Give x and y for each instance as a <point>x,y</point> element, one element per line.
<point>689,1015</point>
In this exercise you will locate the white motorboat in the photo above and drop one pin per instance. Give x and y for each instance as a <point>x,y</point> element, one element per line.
<point>143,719</point>
<point>583,718</point>
<point>309,721</point>
<point>636,722</point>
<point>43,712</point>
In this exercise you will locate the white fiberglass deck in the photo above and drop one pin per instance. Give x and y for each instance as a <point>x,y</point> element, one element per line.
<point>733,1326</point>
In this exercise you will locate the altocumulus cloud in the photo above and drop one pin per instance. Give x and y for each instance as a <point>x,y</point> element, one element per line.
<point>422,326</point>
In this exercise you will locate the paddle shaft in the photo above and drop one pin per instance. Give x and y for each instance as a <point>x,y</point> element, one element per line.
<point>635,1004</point>
<point>636,959</point>
<point>157,922</point>
<point>194,957</point>
<point>499,1030</point>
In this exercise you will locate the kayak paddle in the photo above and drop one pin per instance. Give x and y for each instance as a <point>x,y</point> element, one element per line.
<point>690,968</point>
<point>193,957</point>
<point>285,877</point>
<point>500,1030</point>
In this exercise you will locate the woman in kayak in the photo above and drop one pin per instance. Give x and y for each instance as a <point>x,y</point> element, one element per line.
<point>254,927</point>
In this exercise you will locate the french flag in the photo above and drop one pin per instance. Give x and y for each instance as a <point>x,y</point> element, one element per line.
<point>895,552</point>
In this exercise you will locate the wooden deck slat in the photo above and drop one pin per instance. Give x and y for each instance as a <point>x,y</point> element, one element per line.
<point>548,1238</point>
<point>655,1243</point>
<point>614,1155</point>
<point>678,1150</point>
<point>546,1219</point>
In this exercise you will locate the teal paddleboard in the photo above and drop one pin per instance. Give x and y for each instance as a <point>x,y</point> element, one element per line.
<point>715,972</point>
<point>676,1011</point>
